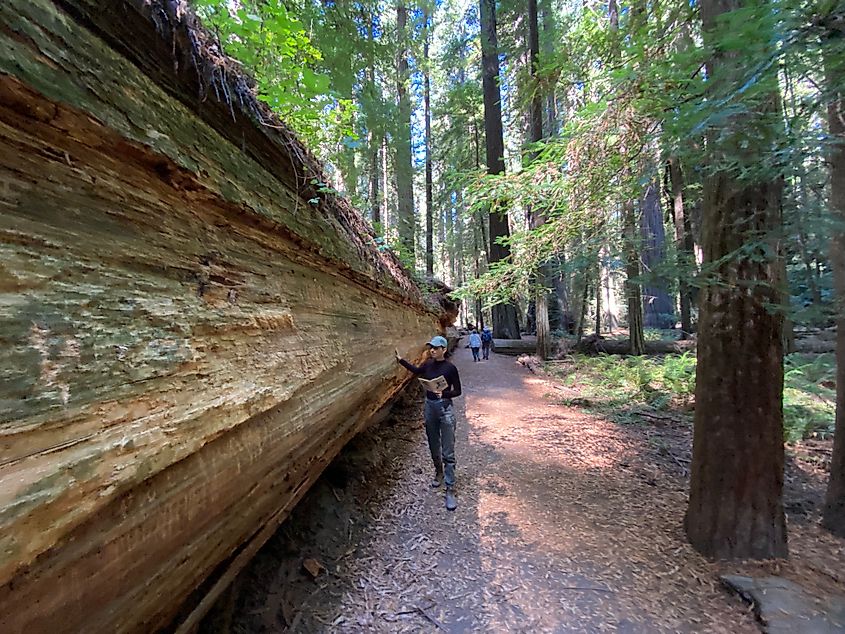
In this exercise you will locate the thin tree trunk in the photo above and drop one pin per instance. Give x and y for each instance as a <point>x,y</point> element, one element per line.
<point>736,487</point>
<point>429,180</point>
<point>505,323</point>
<point>632,288</point>
<point>683,244</point>
<point>834,509</point>
<point>535,134</point>
<point>582,308</point>
<point>374,141</point>
<point>598,301</point>
<point>404,168</point>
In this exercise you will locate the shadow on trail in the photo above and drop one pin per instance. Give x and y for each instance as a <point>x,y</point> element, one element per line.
<point>566,523</point>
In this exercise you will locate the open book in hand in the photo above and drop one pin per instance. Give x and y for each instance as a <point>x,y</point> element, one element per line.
<point>435,385</point>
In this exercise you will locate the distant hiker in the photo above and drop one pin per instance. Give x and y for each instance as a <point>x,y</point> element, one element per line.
<point>439,416</point>
<point>475,345</point>
<point>486,341</point>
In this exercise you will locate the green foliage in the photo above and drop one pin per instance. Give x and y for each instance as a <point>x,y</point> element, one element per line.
<point>613,382</point>
<point>617,386</point>
<point>274,47</point>
<point>809,396</point>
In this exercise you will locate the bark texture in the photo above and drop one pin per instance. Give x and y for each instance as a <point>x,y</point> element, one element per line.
<point>683,244</point>
<point>404,161</point>
<point>429,173</point>
<point>505,322</point>
<point>633,292</point>
<point>834,510</point>
<point>736,487</point>
<point>658,308</point>
<point>188,323</point>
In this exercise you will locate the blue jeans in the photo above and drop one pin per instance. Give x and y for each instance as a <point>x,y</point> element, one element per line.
<point>475,353</point>
<point>440,430</point>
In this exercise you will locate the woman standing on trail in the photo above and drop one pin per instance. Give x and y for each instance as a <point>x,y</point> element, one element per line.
<point>442,377</point>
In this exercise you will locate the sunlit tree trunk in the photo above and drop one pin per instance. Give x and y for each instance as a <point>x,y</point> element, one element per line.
<point>505,323</point>
<point>834,509</point>
<point>736,487</point>
<point>404,169</point>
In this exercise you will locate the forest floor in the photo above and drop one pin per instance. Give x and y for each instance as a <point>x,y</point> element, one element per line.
<point>567,522</point>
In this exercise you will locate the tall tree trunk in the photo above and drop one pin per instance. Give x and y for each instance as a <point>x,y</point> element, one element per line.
<point>630,237</point>
<point>505,323</point>
<point>658,304</point>
<point>535,133</point>
<point>633,292</point>
<point>375,177</point>
<point>375,138</point>
<point>459,236</point>
<point>429,185</point>
<point>598,301</point>
<point>683,244</point>
<point>582,308</point>
<point>548,20</point>
<point>736,487</point>
<point>404,167</point>
<point>834,509</point>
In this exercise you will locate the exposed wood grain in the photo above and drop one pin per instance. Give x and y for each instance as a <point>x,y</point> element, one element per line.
<point>187,341</point>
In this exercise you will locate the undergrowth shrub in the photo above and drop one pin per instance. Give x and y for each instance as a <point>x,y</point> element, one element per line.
<point>616,384</point>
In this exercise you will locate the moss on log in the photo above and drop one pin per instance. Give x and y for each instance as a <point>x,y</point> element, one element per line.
<point>190,329</point>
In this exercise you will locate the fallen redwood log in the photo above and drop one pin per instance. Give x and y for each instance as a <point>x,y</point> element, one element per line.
<point>515,347</point>
<point>594,345</point>
<point>191,328</point>
<point>590,345</point>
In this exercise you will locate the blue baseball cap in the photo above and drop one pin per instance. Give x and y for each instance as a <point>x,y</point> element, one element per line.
<point>438,342</point>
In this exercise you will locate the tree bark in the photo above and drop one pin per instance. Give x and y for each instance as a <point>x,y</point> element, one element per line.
<point>404,165</point>
<point>658,305</point>
<point>598,301</point>
<point>429,186</point>
<point>736,487</point>
<point>632,287</point>
<point>505,323</point>
<point>834,509</point>
<point>683,244</point>
<point>375,139</point>
<point>535,134</point>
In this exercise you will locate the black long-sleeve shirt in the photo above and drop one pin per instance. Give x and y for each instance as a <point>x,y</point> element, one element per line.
<point>431,369</point>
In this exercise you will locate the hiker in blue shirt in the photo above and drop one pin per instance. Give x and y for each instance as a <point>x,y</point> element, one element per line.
<point>439,416</point>
<point>475,345</point>
<point>486,341</point>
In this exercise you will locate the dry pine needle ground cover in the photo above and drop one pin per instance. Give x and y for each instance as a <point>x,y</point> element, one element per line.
<point>567,522</point>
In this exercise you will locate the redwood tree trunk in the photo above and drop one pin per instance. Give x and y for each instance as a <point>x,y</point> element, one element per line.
<point>834,510</point>
<point>683,244</point>
<point>736,488</point>
<point>632,287</point>
<point>505,323</point>
<point>404,169</point>
<point>535,133</point>
<point>375,138</point>
<point>658,305</point>
<point>429,197</point>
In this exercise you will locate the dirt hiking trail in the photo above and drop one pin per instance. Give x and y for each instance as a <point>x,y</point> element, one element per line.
<point>566,523</point>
